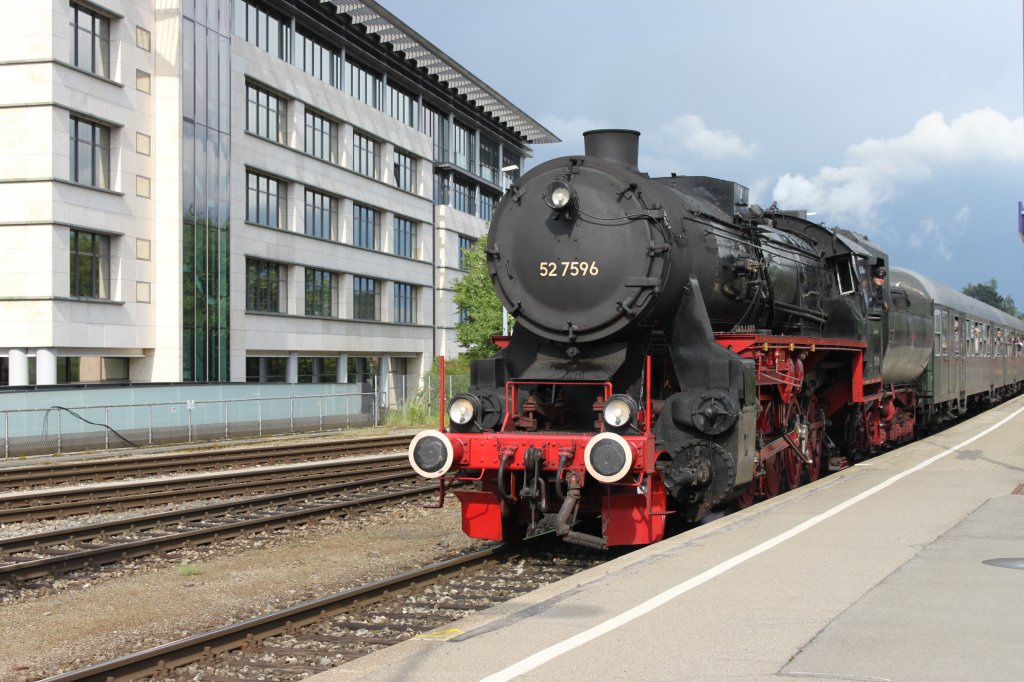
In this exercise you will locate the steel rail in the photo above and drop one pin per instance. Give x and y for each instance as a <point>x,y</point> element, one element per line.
<point>159,660</point>
<point>73,560</point>
<point>34,541</point>
<point>147,494</point>
<point>110,469</point>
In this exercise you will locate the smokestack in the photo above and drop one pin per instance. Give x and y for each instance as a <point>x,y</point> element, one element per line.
<point>620,146</point>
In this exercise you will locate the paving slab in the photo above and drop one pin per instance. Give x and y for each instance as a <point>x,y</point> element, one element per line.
<point>873,573</point>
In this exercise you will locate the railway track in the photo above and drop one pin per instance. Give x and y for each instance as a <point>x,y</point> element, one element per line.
<point>121,468</point>
<point>326,632</point>
<point>71,501</point>
<point>56,552</point>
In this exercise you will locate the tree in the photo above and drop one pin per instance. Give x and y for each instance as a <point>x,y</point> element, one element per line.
<point>475,296</point>
<point>988,292</point>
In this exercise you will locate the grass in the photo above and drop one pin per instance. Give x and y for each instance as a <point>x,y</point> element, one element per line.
<point>189,569</point>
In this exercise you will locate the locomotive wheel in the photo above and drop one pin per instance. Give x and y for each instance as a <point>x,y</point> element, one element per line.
<point>815,440</point>
<point>794,468</point>
<point>790,463</point>
<point>748,496</point>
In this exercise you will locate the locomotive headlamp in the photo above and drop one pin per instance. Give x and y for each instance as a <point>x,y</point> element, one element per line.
<point>608,457</point>
<point>431,454</point>
<point>463,408</point>
<point>619,411</point>
<point>558,195</point>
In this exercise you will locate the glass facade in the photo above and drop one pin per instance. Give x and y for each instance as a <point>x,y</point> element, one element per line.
<point>206,104</point>
<point>464,145</point>
<point>363,84</point>
<point>463,195</point>
<point>489,161</point>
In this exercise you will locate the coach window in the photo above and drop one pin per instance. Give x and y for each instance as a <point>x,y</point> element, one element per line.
<point>940,333</point>
<point>956,334</point>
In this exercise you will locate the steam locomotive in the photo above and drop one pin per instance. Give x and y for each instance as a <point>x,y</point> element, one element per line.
<point>678,350</point>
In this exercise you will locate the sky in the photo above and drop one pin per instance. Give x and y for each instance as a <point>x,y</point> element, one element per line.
<point>898,119</point>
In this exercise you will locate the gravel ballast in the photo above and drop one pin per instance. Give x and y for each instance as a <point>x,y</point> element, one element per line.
<point>82,622</point>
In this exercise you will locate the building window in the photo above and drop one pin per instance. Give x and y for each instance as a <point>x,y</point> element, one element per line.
<point>462,315</point>
<point>142,144</point>
<point>513,163</point>
<point>405,303</point>
<point>142,81</point>
<point>403,106</point>
<point>405,237</point>
<point>487,202</point>
<point>465,244</point>
<point>320,212</point>
<point>440,189</point>
<point>363,84</point>
<point>364,159</point>
<point>462,196</point>
<point>317,59</point>
<point>321,137</point>
<point>465,147</point>
<point>365,305</point>
<point>264,286</point>
<point>143,39</point>
<point>263,29</point>
<point>265,114</point>
<point>319,284</point>
<point>364,227</point>
<point>143,186</point>
<point>90,153</point>
<point>90,265</point>
<point>405,166</point>
<point>435,126</point>
<point>263,205</point>
<point>489,160</point>
<point>90,41</point>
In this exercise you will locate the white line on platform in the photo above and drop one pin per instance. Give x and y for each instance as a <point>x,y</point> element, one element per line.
<point>555,650</point>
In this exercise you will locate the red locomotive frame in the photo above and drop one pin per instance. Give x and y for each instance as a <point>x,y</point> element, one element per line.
<point>792,442</point>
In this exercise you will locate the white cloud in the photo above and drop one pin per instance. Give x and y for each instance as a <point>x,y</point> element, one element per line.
<point>689,132</point>
<point>876,168</point>
<point>939,237</point>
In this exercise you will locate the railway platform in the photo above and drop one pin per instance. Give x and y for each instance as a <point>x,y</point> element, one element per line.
<point>909,566</point>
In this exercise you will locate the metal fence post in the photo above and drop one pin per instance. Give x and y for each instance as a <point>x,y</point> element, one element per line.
<point>259,414</point>
<point>321,407</point>
<point>225,419</point>
<point>106,431</point>
<point>189,424</point>
<point>150,411</point>
<point>7,434</point>
<point>58,432</point>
